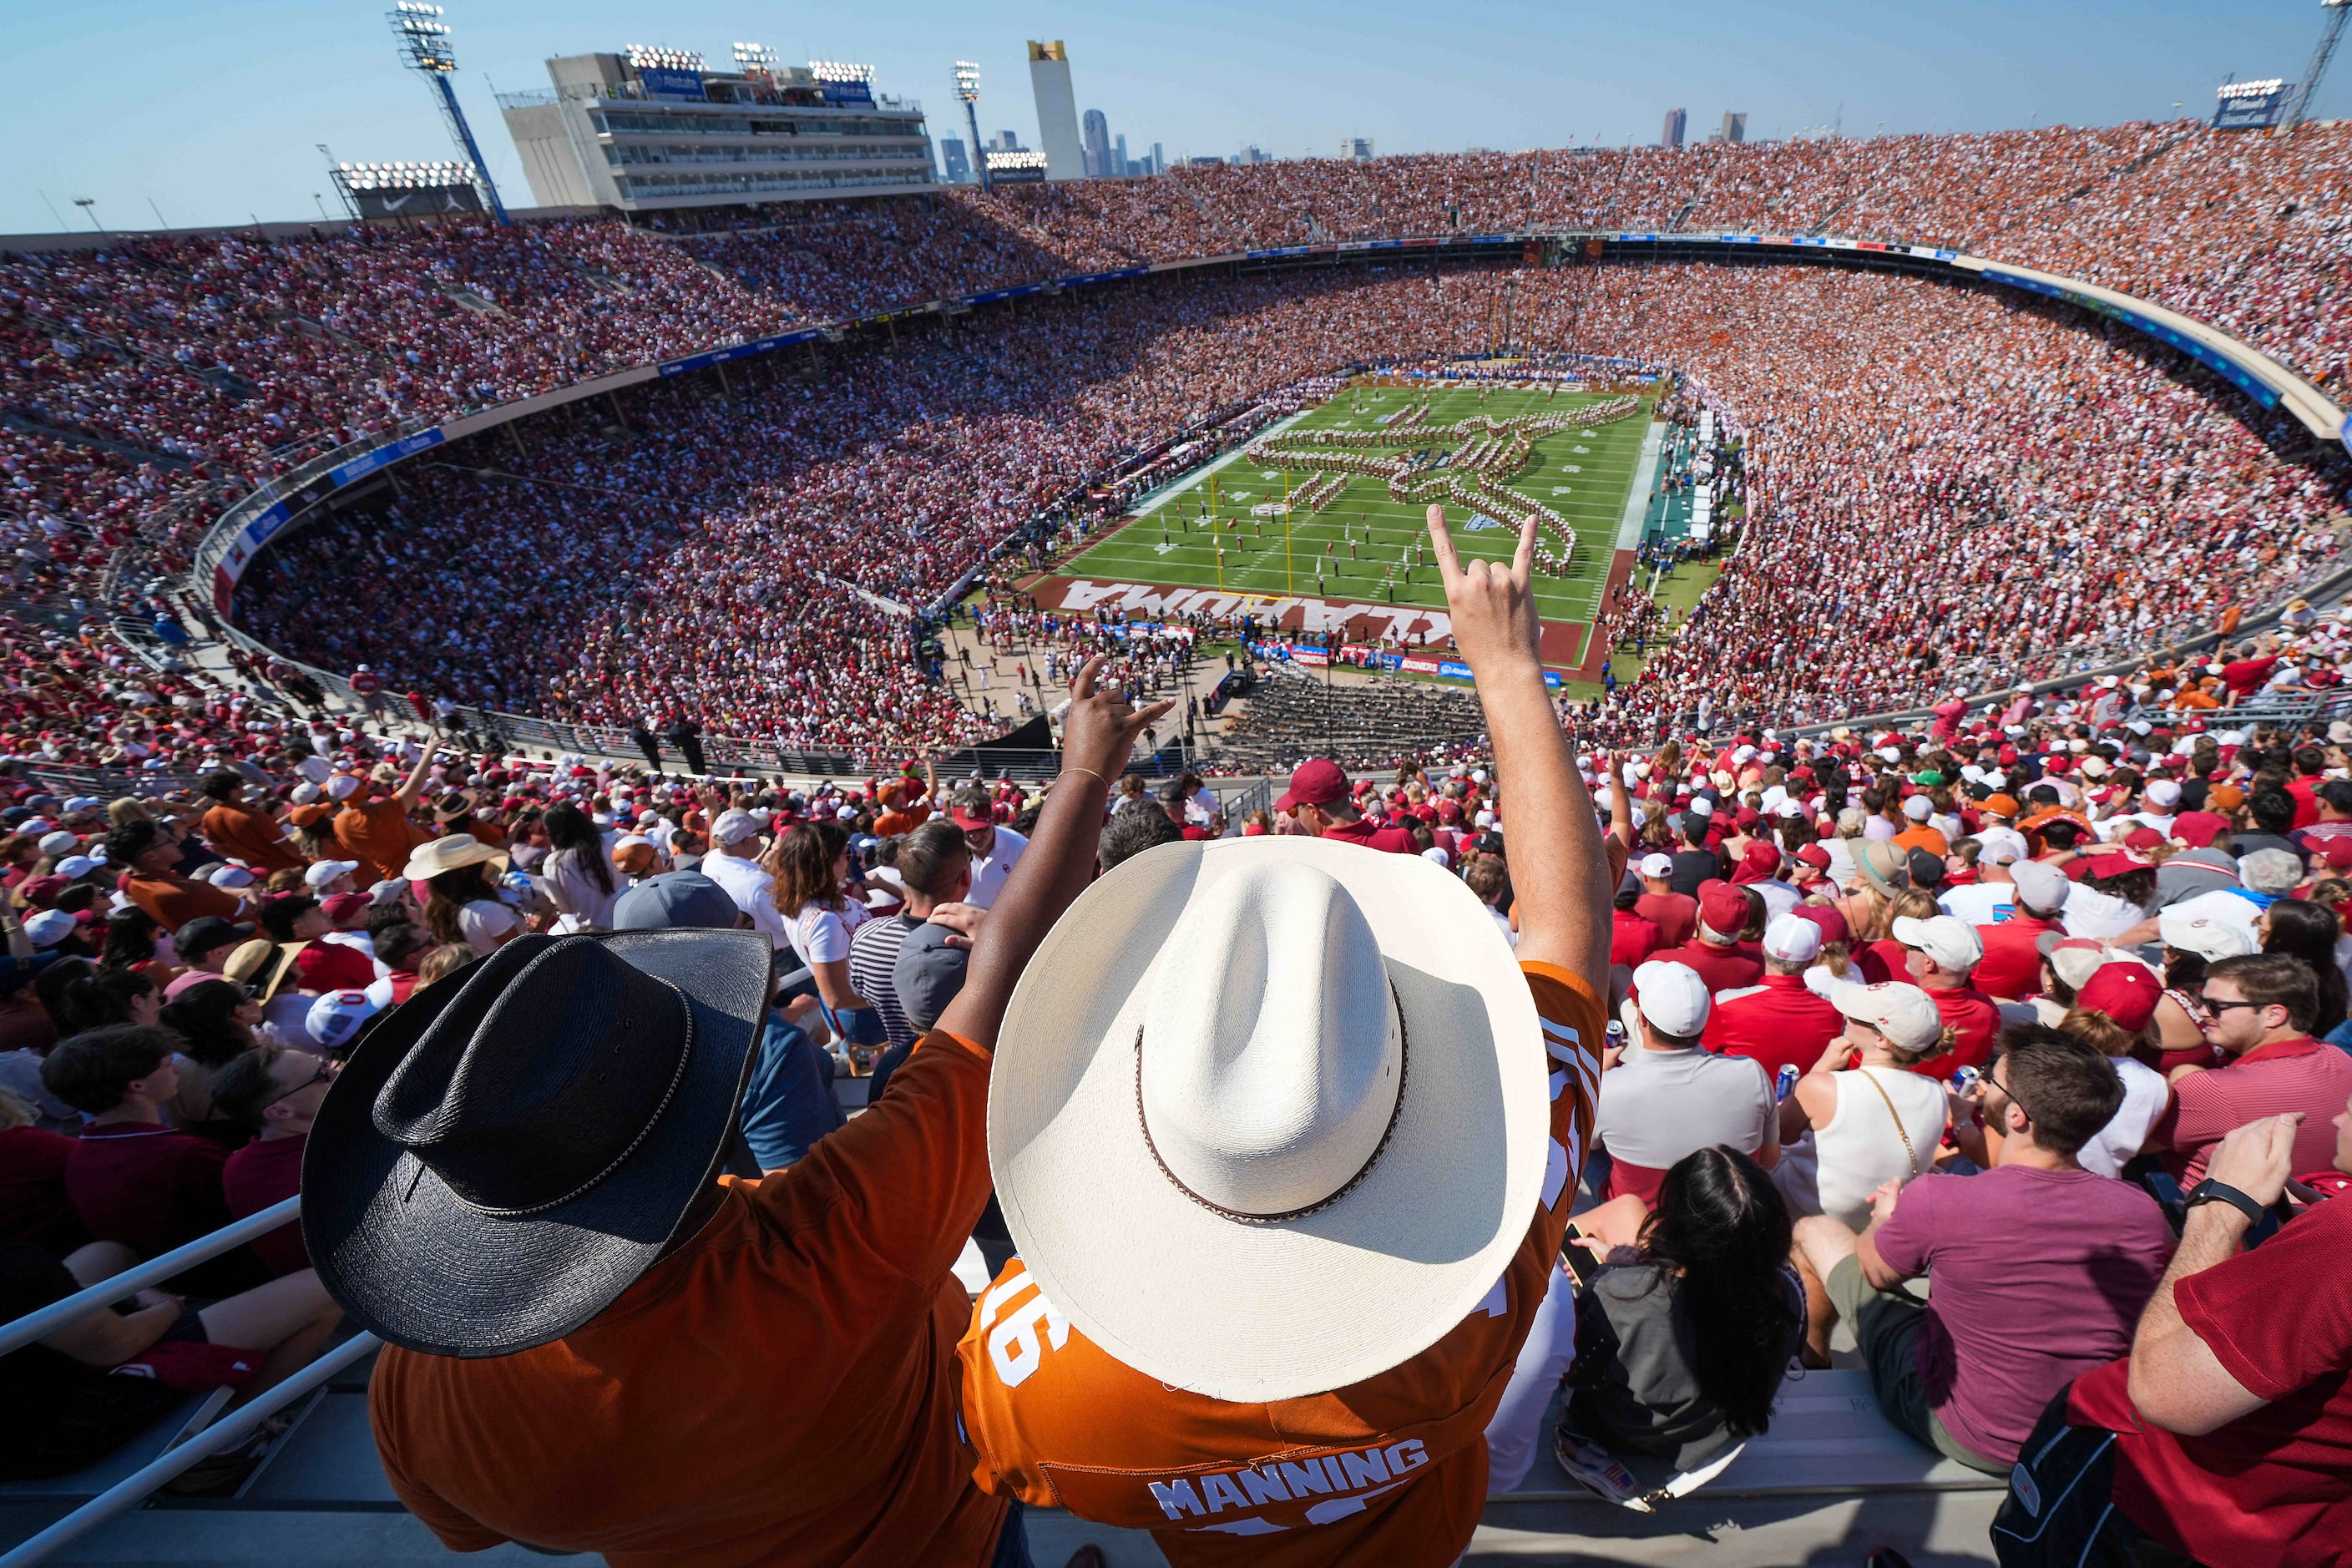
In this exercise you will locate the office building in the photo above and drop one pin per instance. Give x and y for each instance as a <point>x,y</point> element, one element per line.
<point>1677,122</point>
<point>1159,160</point>
<point>651,129</point>
<point>955,164</point>
<point>1359,148</point>
<point>1119,163</point>
<point>1057,111</point>
<point>1735,126</point>
<point>1095,137</point>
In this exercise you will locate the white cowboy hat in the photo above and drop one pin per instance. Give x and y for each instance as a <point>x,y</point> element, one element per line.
<point>1271,1116</point>
<point>427,861</point>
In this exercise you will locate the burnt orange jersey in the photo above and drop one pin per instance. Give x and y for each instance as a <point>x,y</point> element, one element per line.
<point>1392,1470</point>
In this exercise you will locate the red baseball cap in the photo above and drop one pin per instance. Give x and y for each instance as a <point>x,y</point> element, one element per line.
<point>972,821</point>
<point>1724,907</point>
<point>1318,782</point>
<point>2125,991</point>
<point>1826,916</point>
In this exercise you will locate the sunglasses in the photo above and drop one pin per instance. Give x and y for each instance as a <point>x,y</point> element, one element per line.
<point>326,1071</point>
<point>2215,1005</point>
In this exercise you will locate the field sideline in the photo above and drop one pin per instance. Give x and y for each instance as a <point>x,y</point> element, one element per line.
<point>1364,552</point>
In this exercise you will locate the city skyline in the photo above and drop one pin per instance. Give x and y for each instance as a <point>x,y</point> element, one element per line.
<point>205,128</point>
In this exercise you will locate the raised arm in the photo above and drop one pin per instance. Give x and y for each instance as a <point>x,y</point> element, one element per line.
<point>414,786</point>
<point>1560,869</point>
<point>1097,738</point>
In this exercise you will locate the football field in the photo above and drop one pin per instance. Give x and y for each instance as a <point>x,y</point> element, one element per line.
<point>1284,530</point>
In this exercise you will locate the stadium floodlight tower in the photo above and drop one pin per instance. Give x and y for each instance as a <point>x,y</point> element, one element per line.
<point>2336,10</point>
<point>425,48</point>
<point>967,88</point>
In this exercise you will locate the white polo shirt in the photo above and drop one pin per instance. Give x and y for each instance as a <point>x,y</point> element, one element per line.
<point>988,876</point>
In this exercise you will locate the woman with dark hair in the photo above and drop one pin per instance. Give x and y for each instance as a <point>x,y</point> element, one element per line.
<point>2307,932</point>
<point>214,1020</point>
<point>1684,1333</point>
<point>580,880</point>
<point>106,996</point>
<point>810,862</point>
<point>132,938</point>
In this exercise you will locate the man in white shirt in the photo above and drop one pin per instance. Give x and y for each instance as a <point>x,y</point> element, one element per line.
<point>1992,897</point>
<point>995,850</point>
<point>734,864</point>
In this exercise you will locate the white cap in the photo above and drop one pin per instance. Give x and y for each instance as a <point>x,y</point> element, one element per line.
<point>1902,1011</point>
<point>2188,931</point>
<point>336,1016</point>
<point>1671,997</point>
<point>1952,943</point>
<point>1701,808</point>
<point>343,786</point>
<point>2042,887</point>
<point>2163,793</point>
<point>733,827</point>
<point>74,865</point>
<point>322,872</point>
<point>1793,939</point>
<point>305,792</point>
<point>1919,807</point>
<point>60,843</point>
<point>387,891</point>
<point>230,878</point>
<point>48,928</point>
<point>1656,864</point>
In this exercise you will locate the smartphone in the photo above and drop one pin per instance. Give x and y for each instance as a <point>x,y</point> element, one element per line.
<point>1580,1263</point>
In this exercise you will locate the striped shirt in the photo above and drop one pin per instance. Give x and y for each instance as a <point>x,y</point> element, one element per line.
<point>873,954</point>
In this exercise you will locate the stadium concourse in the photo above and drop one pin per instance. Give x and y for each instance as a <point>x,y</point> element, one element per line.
<point>2080,936</point>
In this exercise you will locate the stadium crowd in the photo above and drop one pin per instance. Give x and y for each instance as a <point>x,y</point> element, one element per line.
<point>2089,958</point>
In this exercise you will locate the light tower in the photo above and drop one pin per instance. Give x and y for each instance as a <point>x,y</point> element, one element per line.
<point>425,47</point>
<point>967,88</point>
<point>2318,68</point>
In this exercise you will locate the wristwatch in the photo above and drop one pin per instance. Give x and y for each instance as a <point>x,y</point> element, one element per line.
<point>2210,1191</point>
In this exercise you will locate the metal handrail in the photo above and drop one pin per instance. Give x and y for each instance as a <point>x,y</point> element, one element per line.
<point>15,1334</point>
<point>230,1430</point>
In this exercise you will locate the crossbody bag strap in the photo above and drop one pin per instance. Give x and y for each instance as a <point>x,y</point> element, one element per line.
<point>1893,1115</point>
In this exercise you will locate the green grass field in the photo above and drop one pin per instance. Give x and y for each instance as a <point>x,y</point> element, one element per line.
<point>1584,475</point>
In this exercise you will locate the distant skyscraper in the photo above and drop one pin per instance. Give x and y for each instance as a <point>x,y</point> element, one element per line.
<point>1159,160</point>
<point>1095,134</point>
<point>1735,126</point>
<point>1007,143</point>
<point>1676,122</point>
<point>958,166</point>
<point>1057,111</point>
<point>1119,163</point>
<point>1357,147</point>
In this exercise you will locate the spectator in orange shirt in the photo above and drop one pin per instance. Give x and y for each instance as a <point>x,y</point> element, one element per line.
<point>150,882</point>
<point>1921,834</point>
<point>240,832</point>
<point>905,805</point>
<point>378,832</point>
<point>1291,1164</point>
<point>597,1342</point>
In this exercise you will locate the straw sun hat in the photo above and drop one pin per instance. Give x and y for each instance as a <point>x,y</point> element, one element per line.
<point>1270,1117</point>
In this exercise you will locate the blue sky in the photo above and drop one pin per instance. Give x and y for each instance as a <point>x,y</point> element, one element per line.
<point>210,113</point>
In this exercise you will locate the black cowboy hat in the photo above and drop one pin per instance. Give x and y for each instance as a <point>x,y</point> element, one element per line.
<point>517,1144</point>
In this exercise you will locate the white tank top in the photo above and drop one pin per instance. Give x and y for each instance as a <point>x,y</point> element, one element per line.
<point>1834,1169</point>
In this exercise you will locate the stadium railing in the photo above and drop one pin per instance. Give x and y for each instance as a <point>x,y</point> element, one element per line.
<point>207,1440</point>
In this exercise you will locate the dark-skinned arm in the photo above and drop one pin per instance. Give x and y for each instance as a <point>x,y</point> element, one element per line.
<point>1096,739</point>
<point>1560,869</point>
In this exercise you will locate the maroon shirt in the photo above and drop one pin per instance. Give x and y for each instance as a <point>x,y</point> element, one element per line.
<point>150,1188</point>
<point>34,1207</point>
<point>1631,939</point>
<point>265,1171</point>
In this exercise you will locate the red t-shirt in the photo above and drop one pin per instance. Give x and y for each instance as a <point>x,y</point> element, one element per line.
<point>2270,1489</point>
<point>1675,914</point>
<point>2012,966</point>
<point>265,1171</point>
<point>150,1188</point>
<point>1779,1024</point>
<point>2244,675</point>
<point>1393,841</point>
<point>1631,937</point>
<point>34,1207</point>
<point>322,967</point>
<point>1976,1018</point>
<point>1723,968</point>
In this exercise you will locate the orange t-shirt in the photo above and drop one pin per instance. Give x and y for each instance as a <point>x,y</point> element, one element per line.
<point>1923,836</point>
<point>782,1390</point>
<point>173,901</point>
<point>379,835</point>
<point>1391,1472</point>
<point>899,820</point>
<point>251,836</point>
